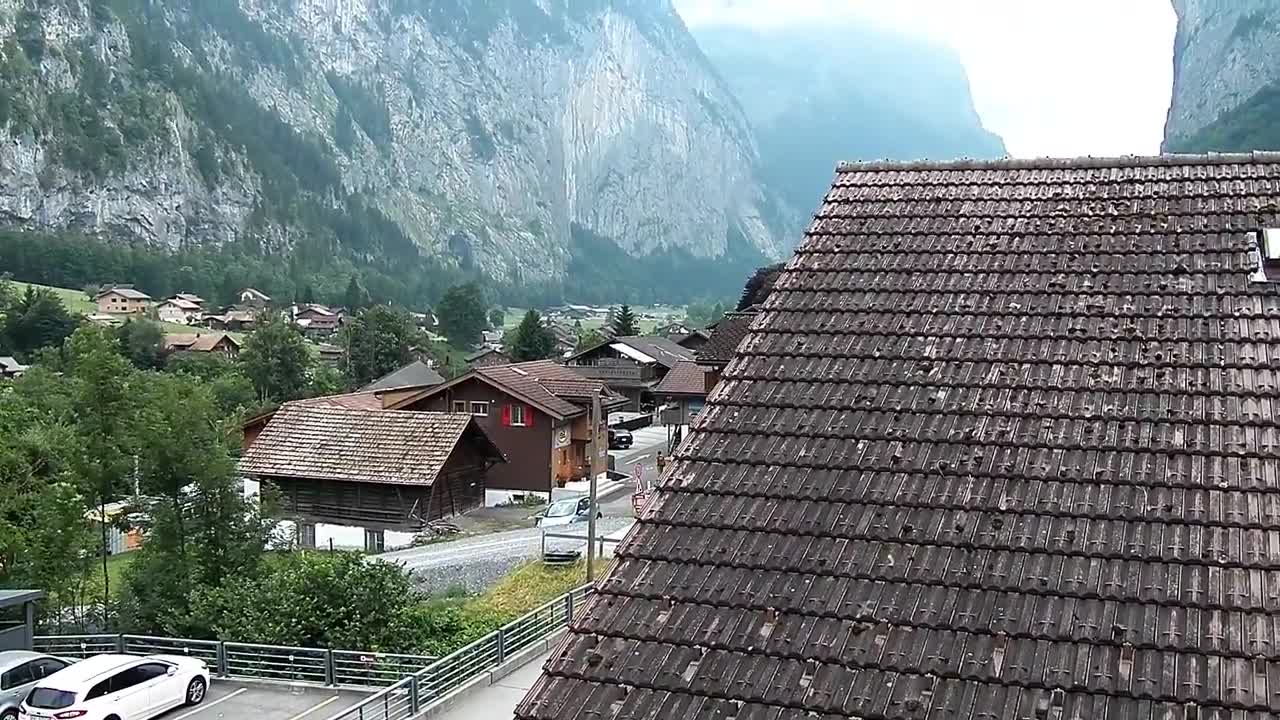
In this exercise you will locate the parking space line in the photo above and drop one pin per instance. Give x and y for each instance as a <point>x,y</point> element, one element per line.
<point>307,712</point>
<point>206,706</point>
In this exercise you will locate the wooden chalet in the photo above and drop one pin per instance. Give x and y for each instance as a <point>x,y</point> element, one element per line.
<point>376,469</point>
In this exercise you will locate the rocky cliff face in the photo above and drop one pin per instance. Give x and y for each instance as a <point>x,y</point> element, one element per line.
<point>846,91</point>
<point>499,136</point>
<point>1225,72</point>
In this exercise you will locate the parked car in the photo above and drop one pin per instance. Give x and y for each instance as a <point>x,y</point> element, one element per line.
<point>567,512</point>
<point>19,671</point>
<point>620,439</point>
<point>118,687</point>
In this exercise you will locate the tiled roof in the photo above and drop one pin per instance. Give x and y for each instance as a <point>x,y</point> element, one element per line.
<point>182,304</point>
<point>1003,444</point>
<point>686,378</point>
<point>548,384</point>
<point>197,342</point>
<point>726,335</point>
<point>130,293</point>
<point>380,446</point>
<point>415,374</point>
<point>664,350</point>
<point>363,400</point>
<point>482,352</point>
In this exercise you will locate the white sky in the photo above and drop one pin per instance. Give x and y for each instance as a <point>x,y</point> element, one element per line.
<point>1052,77</point>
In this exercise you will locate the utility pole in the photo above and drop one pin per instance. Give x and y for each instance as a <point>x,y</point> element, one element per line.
<point>595,453</point>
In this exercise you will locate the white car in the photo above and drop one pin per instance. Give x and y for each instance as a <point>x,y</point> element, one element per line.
<point>118,687</point>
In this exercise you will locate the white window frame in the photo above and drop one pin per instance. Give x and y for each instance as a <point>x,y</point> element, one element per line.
<point>517,408</point>
<point>460,406</point>
<point>482,405</point>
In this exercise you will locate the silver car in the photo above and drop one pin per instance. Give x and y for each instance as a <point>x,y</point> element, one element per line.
<point>19,672</point>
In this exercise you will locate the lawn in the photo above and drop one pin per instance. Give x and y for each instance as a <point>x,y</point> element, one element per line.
<point>76,301</point>
<point>529,587</point>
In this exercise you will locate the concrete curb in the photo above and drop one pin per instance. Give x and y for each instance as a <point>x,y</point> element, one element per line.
<point>517,661</point>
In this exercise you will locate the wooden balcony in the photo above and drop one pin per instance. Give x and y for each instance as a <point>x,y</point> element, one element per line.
<point>628,373</point>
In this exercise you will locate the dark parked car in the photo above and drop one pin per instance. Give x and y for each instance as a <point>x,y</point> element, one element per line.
<point>620,439</point>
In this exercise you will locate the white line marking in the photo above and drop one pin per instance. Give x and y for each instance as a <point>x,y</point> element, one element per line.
<point>326,703</point>
<point>206,706</point>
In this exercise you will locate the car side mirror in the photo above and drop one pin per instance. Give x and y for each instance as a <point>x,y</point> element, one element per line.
<point>171,671</point>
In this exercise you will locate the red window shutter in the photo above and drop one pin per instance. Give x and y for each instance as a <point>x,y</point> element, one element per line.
<point>528,416</point>
<point>506,415</point>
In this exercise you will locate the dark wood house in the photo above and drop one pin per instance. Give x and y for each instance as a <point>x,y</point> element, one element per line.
<point>376,469</point>
<point>682,393</point>
<point>631,365</point>
<point>537,413</point>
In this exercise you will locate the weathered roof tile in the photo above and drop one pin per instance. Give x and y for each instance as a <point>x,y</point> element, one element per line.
<point>1001,445</point>
<point>322,442</point>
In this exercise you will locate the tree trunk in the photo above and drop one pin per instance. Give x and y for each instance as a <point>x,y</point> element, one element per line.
<point>106,576</point>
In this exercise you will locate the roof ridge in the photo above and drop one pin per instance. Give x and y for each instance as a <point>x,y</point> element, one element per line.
<point>1084,161</point>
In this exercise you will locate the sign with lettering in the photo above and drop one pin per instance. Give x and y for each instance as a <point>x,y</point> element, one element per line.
<point>562,437</point>
<point>638,501</point>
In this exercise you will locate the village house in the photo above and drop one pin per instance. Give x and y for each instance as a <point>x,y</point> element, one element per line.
<point>369,477</point>
<point>417,374</point>
<point>234,320</point>
<point>253,298</point>
<point>331,355</point>
<point>179,311</point>
<point>487,357</point>
<point>682,393</point>
<point>724,336</point>
<point>538,413</point>
<point>214,342</point>
<point>566,339</point>
<point>632,366</point>
<point>1002,444</point>
<point>315,320</point>
<point>10,367</point>
<point>122,301</point>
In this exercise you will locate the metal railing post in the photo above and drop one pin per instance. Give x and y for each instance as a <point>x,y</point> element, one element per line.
<point>120,643</point>
<point>502,646</point>
<point>329,671</point>
<point>415,702</point>
<point>221,662</point>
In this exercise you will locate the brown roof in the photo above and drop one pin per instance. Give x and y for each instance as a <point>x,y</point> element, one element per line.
<point>686,378</point>
<point>1003,444</point>
<point>663,350</point>
<point>553,388</point>
<point>364,400</point>
<point>125,292</point>
<point>197,342</point>
<point>726,335</point>
<point>370,446</point>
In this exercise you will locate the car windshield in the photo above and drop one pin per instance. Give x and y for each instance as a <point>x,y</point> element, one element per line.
<point>563,508</point>
<point>50,699</point>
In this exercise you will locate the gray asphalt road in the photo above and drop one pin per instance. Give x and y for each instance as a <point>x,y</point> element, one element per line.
<point>472,563</point>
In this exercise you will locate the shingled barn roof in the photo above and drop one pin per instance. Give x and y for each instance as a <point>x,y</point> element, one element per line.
<point>1002,446</point>
<point>323,442</point>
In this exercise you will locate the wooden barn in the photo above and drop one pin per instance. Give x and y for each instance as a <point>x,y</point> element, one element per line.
<point>376,469</point>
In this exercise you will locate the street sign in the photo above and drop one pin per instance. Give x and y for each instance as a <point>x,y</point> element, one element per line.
<point>637,475</point>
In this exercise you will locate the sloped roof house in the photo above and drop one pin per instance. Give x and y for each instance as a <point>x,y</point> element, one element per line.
<point>1002,444</point>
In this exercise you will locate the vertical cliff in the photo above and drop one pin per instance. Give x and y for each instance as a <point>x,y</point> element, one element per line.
<point>521,140</point>
<point>1226,73</point>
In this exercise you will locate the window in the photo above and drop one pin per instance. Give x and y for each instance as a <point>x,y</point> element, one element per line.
<point>517,415</point>
<point>480,409</point>
<point>460,406</point>
<point>45,667</point>
<point>16,677</point>
<point>50,699</point>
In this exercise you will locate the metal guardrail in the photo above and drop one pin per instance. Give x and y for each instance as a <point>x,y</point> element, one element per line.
<point>247,661</point>
<point>410,696</point>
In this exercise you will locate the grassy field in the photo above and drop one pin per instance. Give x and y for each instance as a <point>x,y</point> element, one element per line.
<point>76,301</point>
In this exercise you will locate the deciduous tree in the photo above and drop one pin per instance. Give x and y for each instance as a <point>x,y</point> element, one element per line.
<point>462,315</point>
<point>276,360</point>
<point>378,341</point>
